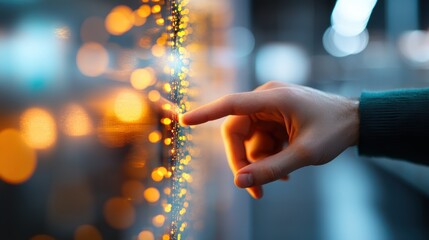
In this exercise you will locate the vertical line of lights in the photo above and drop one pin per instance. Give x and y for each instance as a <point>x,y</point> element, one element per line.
<point>179,153</point>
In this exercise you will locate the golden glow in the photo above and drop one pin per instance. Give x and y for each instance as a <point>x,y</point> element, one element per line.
<point>158,50</point>
<point>76,121</point>
<point>38,128</point>
<point>142,78</point>
<point>156,9</point>
<point>155,136</point>
<point>158,220</point>
<point>166,121</point>
<point>17,159</point>
<point>146,235</point>
<point>154,96</point>
<point>165,237</point>
<point>119,20</point>
<point>119,213</point>
<point>138,20</point>
<point>167,87</point>
<point>151,195</point>
<point>166,106</point>
<point>133,190</point>
<point>160,21</point>
<point>144,11</point>
<point>157,176</point>
<point>167,141</point>
<point>87,232</point>
<point>167,208</point>
<point>128,107</point>
<point>42,237</point>
<point>92,59</point>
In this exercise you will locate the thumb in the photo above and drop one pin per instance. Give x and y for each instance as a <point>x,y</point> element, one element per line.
<point>270,169</point>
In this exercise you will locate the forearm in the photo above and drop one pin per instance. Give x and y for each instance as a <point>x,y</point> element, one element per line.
<point>395,124</point>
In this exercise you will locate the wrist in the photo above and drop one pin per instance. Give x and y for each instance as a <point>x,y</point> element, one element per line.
<point>354,122</point>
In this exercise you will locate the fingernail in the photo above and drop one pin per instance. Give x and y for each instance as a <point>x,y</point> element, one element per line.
<point>244,180</point>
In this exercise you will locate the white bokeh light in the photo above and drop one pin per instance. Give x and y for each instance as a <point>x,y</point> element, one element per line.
<point>282,62</point>
<point>340,46</point>
<point>350,17</point>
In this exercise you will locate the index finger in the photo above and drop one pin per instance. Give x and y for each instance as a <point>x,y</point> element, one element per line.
<point>234,104</point>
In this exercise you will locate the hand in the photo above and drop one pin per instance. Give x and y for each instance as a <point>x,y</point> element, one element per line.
<point>279,128</point>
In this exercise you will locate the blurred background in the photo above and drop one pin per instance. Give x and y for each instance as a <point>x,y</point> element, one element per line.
<point>84,142</point>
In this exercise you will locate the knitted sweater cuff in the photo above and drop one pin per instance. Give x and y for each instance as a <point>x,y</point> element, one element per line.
<point>395,124</point>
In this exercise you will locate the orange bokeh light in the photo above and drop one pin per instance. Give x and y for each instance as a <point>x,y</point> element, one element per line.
<point>155,136</point>
<point>158,220</point>
<point>119,20</point>
<point>17,160</point>
<point>87,232</point>
<point>128,107</point>
<point>146,235</point>
<point>38,128</point>
<point>158,50</point>
<point>76,121</point>
<point>142,78</point>
<point>154,96</point>
<point>144,11</point>
<point>156,9</point>
<point>119,213</point>
<point>92,59</point>
<point>151,195</point>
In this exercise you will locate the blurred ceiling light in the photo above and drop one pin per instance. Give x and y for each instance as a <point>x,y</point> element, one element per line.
<point>242,41</point>
<point>350,17</point>
<point>414,46</point>
<point>92,59</point>
<point>17,159</point>
<point>75,121</point>
<point>340,46</point>
<point>38,128</point>
<point>119,20</point>
<point>282,62</point>
<point>128,106</point>
<point>93,30</point>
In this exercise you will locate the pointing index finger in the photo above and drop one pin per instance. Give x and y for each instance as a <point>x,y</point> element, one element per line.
<point>234,104</point>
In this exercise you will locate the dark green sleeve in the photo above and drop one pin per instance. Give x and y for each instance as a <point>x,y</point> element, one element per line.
<point>395,124</point>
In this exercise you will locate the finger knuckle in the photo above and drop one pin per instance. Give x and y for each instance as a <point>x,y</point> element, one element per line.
<point>272,84</point>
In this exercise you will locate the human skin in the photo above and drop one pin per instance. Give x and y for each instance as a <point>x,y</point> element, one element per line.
<point>279,128</point>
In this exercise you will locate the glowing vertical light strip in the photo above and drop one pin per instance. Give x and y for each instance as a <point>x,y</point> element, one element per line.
<point>180,154</point>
